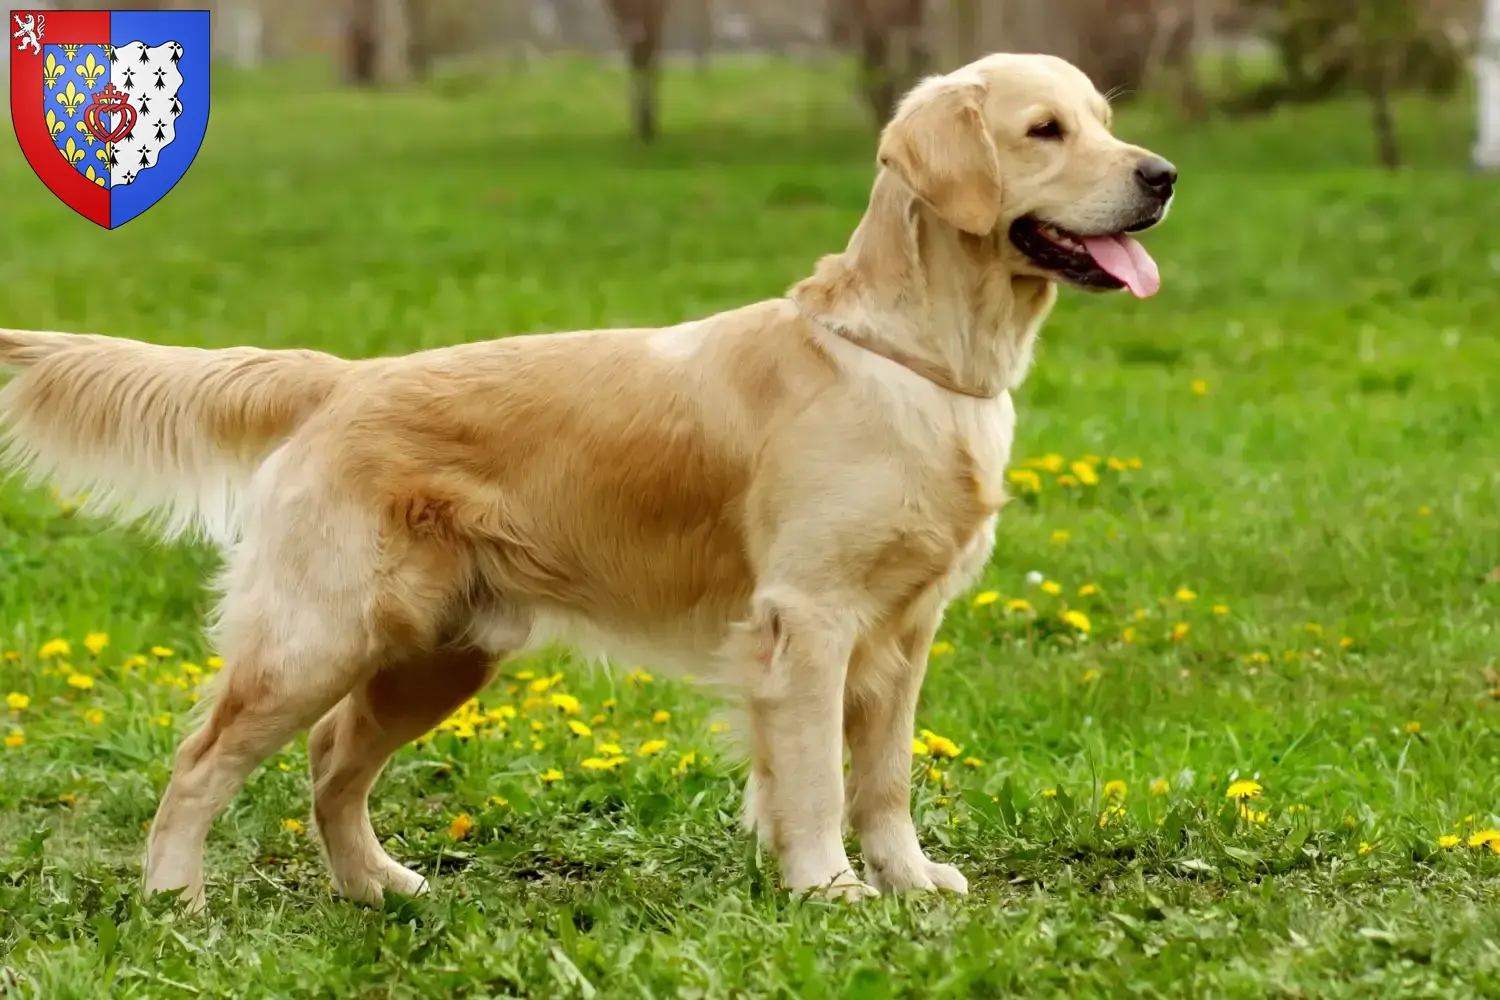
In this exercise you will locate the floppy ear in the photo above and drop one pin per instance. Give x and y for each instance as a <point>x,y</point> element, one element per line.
<point>938,144</point>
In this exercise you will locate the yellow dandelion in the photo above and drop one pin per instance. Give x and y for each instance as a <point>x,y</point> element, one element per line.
<point>660,715</point>
<point>598,720</point>
<point>1089,675</point>
<point>639,677</point>
<point>1018,605</point>
<point>1448,840</point>
<point>1253,815</point>
<point>292,825</point>
<point>1365,848</point>
<point>164,720</point>
<point>609,749</point>
<point>1346,643</point>
<point>1088,590</point>
<point>95,642</point>
<point>1115,789</point>
<point>1077,619</point>
<point>1244,788</point>
<point>1486,838</point>
<point>15,739</point>
<point>1085,473</point>
<point>524,675</point>
<point>1258,657</point>
<point>537,726</point>
<point>603,763</point>
<point>941,746</point>
<point>550,775</point>
<point>935,773</point>
<point>93,717</point>
<point>18,702</point>
<point>161,652</point>
<point>1199,387</point>
<point>579,729</point>
<point>718,727</point>
<point>565,703</point>
<point>1025,480</point>
<point>973,762</point>
<point>1313,628</point>
<point>1049,793</point>
<point>985,597</point>
<point>1221,609</point>
<point>684,762</point>
<point>1160,786</point>
<point>1051,587</point>
<point>1067,480</point>
<point>1185,595</point>
<point>134,661</point>
<point>651,747</point>
<point>1128,635</point>
<point>940,648</point>
<point>541,684</point>
<point>53,648</point>
<point>1413,728</point>
<point>1051,462</point>
<point>918,747</point>
<point>461,827</point>
<point>82,682</point>
<point>215,662</point>
<point>1115,464</point>
<point>1109,814</point>
<point>1060,536</point>
<point>1180,631</point>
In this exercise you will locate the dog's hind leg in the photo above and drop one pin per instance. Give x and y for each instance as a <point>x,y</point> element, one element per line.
<point>302,626</point>
<point>267,696</point>
<point>349,747</point>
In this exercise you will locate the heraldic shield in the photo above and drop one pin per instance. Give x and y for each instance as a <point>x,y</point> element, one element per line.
<point>110,107</point>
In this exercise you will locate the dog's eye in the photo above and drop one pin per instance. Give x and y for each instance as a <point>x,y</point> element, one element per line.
<point>1045,130</point>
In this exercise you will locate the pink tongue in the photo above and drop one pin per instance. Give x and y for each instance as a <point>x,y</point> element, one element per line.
<point>1123,256</point>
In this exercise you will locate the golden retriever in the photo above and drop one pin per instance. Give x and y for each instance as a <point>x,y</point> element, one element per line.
<point>781,498</point>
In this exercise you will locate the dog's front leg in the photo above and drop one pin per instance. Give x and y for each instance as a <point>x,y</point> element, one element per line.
<point>797,649</point>
<point>880,715</point>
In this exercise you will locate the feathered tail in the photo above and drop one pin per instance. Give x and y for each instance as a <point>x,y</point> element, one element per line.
<point>166,433</point>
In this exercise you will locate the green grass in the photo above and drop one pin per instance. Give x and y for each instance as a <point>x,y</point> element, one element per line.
<point>1336,480</point>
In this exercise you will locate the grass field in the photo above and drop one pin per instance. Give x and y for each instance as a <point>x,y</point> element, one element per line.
<point>1293,583</point>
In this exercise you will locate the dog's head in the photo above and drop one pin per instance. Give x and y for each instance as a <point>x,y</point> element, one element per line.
<point>1021,144</point>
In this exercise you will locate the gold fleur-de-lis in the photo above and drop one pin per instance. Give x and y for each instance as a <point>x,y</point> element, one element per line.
<point>71,99</point>
<point>72,152</point>
<point>52,70</point>
<point>83,129</point>
<point>56,125</point>
<point>71,51</point>
<point>103,155</point>
<point>96,178</point>
<point>91,71</point>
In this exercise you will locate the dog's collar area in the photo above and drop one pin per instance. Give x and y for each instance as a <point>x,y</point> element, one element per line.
<point>917,366</point>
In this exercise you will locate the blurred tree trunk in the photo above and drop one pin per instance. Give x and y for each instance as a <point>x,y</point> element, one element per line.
<point>893,52</point>
<point>1487,72</point>
<point>420,43</point>
<point>377,42</point>
<point>966,33</point>
<point>639,24</point>
<point>703,33</point>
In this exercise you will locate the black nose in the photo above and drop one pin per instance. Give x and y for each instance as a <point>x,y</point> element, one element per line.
<point>1156,175</point>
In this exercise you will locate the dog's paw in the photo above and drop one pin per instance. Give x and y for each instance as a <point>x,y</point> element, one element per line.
<point>917,875</point>
<point>846,887</point>
<point>370,884</point>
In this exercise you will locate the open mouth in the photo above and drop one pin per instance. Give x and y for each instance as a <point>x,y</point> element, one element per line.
<point>1105,262</point>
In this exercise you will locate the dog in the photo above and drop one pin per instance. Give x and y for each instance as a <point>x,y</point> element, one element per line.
<point>780,498</point>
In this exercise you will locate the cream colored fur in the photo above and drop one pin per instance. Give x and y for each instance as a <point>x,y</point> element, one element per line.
<point>781,498</point>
